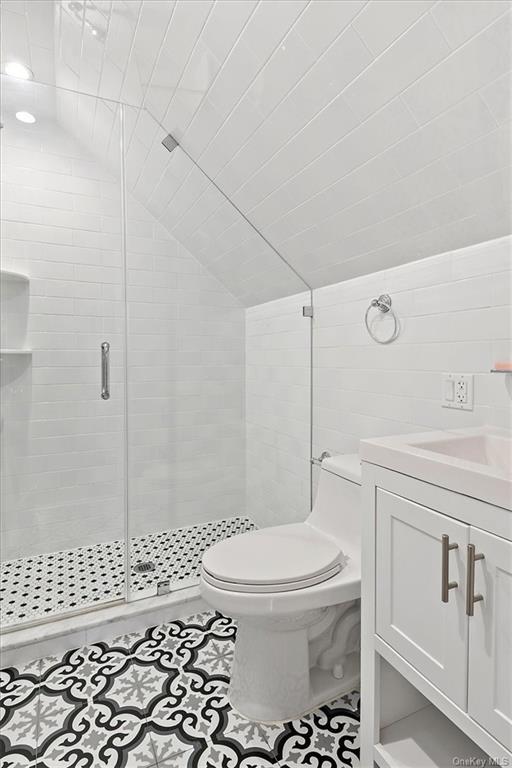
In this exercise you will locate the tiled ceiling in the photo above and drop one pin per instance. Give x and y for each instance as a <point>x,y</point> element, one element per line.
<point>356,135</point>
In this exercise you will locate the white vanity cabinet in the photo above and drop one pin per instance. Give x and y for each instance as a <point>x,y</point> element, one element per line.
<point>410,615</point>
<point>437,611</point>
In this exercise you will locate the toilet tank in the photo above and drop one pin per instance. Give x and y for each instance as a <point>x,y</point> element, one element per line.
<point>337,507</point>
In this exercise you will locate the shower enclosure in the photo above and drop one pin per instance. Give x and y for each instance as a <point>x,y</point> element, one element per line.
<point>128,381</point>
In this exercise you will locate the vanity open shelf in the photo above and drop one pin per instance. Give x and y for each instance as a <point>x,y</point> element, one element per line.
<point>424,739</point>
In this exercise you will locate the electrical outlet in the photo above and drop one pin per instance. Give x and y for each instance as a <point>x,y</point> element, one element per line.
<point>457,391</point>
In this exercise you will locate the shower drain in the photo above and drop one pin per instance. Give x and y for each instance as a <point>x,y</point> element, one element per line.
<point>144,567</point>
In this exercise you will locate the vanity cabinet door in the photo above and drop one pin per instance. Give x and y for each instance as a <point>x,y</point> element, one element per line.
<point>411,616</point>
<point>490,637</point>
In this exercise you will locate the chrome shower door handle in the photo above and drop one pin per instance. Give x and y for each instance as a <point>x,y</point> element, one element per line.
<point>446,584</point>
<point>105,370</point>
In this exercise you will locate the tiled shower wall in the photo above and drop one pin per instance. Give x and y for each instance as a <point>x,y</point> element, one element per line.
<point>62,445</point>
<point>455,316</point>
<point>62,453</point>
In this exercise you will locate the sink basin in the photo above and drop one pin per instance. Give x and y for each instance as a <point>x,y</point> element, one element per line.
<point>490,450</point>
<point>475,462</point>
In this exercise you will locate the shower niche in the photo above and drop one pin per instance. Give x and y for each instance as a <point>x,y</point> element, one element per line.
<point>14,289</point>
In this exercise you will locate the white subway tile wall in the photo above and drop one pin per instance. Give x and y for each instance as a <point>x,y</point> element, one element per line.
<point>455,316</point>
<point>62,457</point>
<point>62,445</point>
<point>278,405</point>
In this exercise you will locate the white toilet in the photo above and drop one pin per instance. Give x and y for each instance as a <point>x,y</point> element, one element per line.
<point>294,590</point>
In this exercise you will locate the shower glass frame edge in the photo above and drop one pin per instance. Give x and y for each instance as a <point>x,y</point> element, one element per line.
<point>122,184</point>
<point>311,395</point>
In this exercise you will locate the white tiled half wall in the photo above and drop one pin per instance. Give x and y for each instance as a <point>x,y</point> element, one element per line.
<point>62,446</point>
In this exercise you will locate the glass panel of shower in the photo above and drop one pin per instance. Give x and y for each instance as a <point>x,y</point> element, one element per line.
<point>156,385</point>
<point>62,354</point>
<point>218,366</point>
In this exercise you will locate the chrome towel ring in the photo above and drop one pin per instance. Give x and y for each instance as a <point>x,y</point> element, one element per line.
<point>383,304</point>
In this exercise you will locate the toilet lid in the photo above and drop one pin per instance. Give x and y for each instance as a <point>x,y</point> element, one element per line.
<point>283,555</point>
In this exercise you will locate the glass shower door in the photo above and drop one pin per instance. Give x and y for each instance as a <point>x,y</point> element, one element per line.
<point>62,355</point>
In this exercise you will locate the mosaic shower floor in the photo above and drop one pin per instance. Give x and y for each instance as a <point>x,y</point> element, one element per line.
<point>33,588</point>
<point>158,699</point>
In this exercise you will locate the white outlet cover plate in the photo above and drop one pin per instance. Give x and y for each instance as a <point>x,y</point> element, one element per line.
<point>457,391</point>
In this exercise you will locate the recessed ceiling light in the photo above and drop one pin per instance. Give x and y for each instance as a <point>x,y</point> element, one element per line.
<point>25,117</point>
<point>17,69</point>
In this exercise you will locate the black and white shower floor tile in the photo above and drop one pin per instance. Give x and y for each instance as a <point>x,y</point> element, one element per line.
<point>42,586</point>
<point>158,699</point>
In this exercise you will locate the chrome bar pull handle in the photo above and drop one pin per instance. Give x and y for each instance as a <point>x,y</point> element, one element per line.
<point>471,598</point>
<point>446,584</point>
<point>105,371</point>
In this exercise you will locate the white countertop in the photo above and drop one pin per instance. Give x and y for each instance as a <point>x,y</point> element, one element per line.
<point>481,469</point>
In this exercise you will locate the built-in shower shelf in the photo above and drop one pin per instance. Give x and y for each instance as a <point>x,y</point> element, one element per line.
<point>15,290</point>
<point>7,274</point>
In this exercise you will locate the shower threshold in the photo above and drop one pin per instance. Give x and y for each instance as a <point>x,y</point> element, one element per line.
<point>54,586</point>
<point>22,644</point>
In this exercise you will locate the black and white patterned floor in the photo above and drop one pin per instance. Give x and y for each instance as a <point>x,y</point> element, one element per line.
<point>43,586</point>
<point>158,699</point>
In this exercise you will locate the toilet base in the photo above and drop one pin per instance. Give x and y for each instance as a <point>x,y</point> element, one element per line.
<point>286,666</point>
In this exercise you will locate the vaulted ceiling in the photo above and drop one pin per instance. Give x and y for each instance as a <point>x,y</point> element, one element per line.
<point>355,135</point>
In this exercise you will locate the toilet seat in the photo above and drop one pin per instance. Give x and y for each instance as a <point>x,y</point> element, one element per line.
<point>279,559</point>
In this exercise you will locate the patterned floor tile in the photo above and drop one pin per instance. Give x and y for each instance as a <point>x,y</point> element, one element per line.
<point>181,760</point>
<point>159,698</point>
<point>208,651</point>
<point>93,707</point>
<point>19,705</point>
<point>17,686</point>
<point>95,734</point>
<point>249,734</point>
<point>169,750</point>
<point>19,735</point>
<point>193,705</point>
<point>86,673</point>
<point>327,737</point>
<point>229,753</point>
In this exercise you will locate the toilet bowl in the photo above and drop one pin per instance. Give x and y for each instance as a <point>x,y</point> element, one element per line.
<point>294,590</point>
